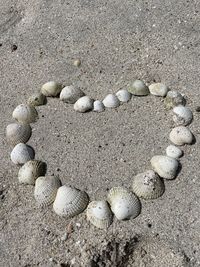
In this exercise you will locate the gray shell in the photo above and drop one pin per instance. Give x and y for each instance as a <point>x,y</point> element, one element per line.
<point>98,106</point>
<point>36,99</point>
<point>18,133</point>
<point>182,115</point>
<point>111,101</point>
<point>25,113</point>
<point>70,94</point>
<point>158,89</point>
<point>174,99</point>
<point>138,88</point>
<point>123,95</point>
<point>174,152</point>
<point>51,88</point>
<point>22,153</point>
<point>83,104</point>
<point>181,135</point>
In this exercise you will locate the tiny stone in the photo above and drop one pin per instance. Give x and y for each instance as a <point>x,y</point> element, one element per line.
<point>77,62</point>
<point>197,109</point>
<point>78,225</point>
<point>64,237</point>
<point>14,47</point>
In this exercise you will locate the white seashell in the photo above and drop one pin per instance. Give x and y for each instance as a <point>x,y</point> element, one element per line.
<point>124,204</point>
<point>98,106</point>
<point>99,214</point>
<point>70,201</point>
<point>165,166</point>
<point>111,101</point>
<point>45,189</point>
<point>158,89</point>
<point>174,152</point>
<point>183,115</point>
<point>174,99</point>
<point>148,185</point>
<point>51,88</point>
<point>25,114</point>
<point>180,136</point>
<point>71,94</point>
<point>138,88</point>
<point>36,99</point>
<point>30,171</point>
<point>18,133</point>
<point>123,95</point>
<point>83,104</point>
<point>22,153</point>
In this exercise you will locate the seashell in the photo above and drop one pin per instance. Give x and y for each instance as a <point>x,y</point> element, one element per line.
<point>181,135</point>
<point>165,166</point>
<point>18,133</point>
<point>36,99</point>
<point>174,152</point>
<point>83,104</point>
<point>183,115</point>
<point>98,106</point>
<point>138,88</point>
<point>99,214</point>
<point>22,153</point>
<point>51,88</point>
<point>30,171</point>
<point>124,204</point>
<point>25,114</point>
<point>70,201</point>
<point>45,189</point>
<point>123,95</point>
<point>77,62</point>
<point>158,89</point>
<point>111,101</point>
<point>174,99</point>
<point>71,94</point>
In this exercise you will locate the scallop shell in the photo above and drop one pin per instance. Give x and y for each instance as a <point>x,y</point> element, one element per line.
<point>148,185</point>
<point>18,133</point>
<point>51,88</point>
<point>25,114</point>
<point>174,99</point>
<point>181,135</point>
<point>158,89</point>
<point>99,214</point>
<point>98,106</point>
<point>124,204</point>
<point>71,94</point>
<point>165,166</point>
<point>111,101</point>
<point>138,88</point>
<point>70,201</point>
<point>45,189</point>
<point>37,99</point>
<point>22,153</point>
<point>83,104</point>
<point>30,171</point>
<point>123,95</point>
<point>183,115</point>
<point>174,152</point>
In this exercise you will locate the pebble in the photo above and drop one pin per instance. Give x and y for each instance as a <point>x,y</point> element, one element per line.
<point>174,152</point>
<point>123,95</point>
<point>98,106</point>
<point>111,101</point>
<point>83,104</point>
<point>64,237</point>
<point>77,62</point>
<point>138,88</point>
<point>158,89</point>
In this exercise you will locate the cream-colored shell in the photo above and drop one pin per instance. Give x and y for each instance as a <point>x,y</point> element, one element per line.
<point>83,104</point>
<point>123,95</point>
<point>98,106</point>
<point>180,136</point>
<point>138,88</point>
<point>111,101</point>
<point>174,152</point>
<point>36,99</point>
<point>18,133</point>
<point>70,94</point>
<point>182,115</point>
<point>51,88</point>
<point>22,153</point>
<point>158,89</point>
<point>25,113</point>
<point>173,99</point>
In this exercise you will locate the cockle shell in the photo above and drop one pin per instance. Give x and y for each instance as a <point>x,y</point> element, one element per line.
<point>138,88</point>
<point>30,171</point>
<point>124,204</point>
<point>18,133</point>
<point>51,88</point>
<point>37,99</point>
<point>98,106</point>
<point>83,104</point>
<point>174,99</point>
<point>111,101</point>
<point>182,115</point>
<point>158,89</point>
<point>99,214</point>
<point>148,185</point>
<point>70,94</point>
<point>123,95</point>
<point>70,201</point>
<point>180,136</point>
<point>165,166</point>
<point>174,152</point>
<point>45,189</point>
<point>25,113</point>
<point>22,153</point>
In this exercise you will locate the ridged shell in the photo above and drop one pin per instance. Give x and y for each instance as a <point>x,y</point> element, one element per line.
<point>45,189</point>
<point>37,99</point>
<point>123,95</point>
<point>138,88</point>
<point>30,171</point>
<point>98,106</point>
<point>83,104</point>
<point>18,133</point>
<point>158,89</point>
<point>124,204</point>
<point>22,153</point>
<point>70,94</point>
<point>111,101</point>
<point>148,185</point>
<point>99,214</point>
<point>174,99</point>
<point>182,115</point>
<point>25,114</point>
<point>51,88</point>
<point>70,201</point>
<point>180,136</point>
<point>174,152</point>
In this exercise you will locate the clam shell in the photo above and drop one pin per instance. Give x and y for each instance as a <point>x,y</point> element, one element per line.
<point>183,115</point>
<point>158,89</point>
<point>124,204</point>
<point>71,94</point>
<point>18,133</point>
<point>174,152</point>
<point>36,99</point>
<point>180,136</point>
<point>165,166</point>
<point>83,104</point>
<point>70,201</point>
<point>51,88</point>
<point>22,153</point>
<point>30,171</point>
<point>25,113</point>
<point>174,99</point>
<point>99,214</point>
<point>148,185</point>
<point>123,95</point>
<point>45,189</point>
<point>111,101</point>
<point>98,106</point>
<point>138,88</point>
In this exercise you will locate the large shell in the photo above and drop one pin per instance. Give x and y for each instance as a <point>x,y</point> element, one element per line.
<point>111,101</point>
<point>18,133</point>
<point>138,88</point>
<point>98,106</point>
<point>174,152</point>
<point>182,115</point>
<point>124,204</point>
<point>123,95</point>
<point>70,201</point>
<point>99,214</point>
<point>70,94</point>
<point>158,89</point>
<point>51,88</point>
<point>37,99</point>
<point>22,153</point>
<point>174,99</point>
<point>148,185</point>
<point>45,189</point>
<point>83,104</point>
<point>25,113</point>
<point>180,136</point>
<point>30,171</point>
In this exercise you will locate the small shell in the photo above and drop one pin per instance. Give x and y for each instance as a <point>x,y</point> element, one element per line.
<point>51,88</point>
<point>37,99</point>
<point>70,201</point>
<point>83,104</point>
<point>165,166</point>
<point>180,136</point>
<point>174,152</point>
<point>18,133</point>
<point>98,106</point>
<point>25,114</point>
<point>22,153</point>
<point>123,95</point>
<point>158,89</point>
<point>124,204</point>
<point>183,115</point>
<point>148,185</point>
<point>99,214</point>
<point>30,171</point>
<point>71,94</point>
<point>111,101</point>
<point>45,189</point>
<point>174,99</point>
<point>138,88</point>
